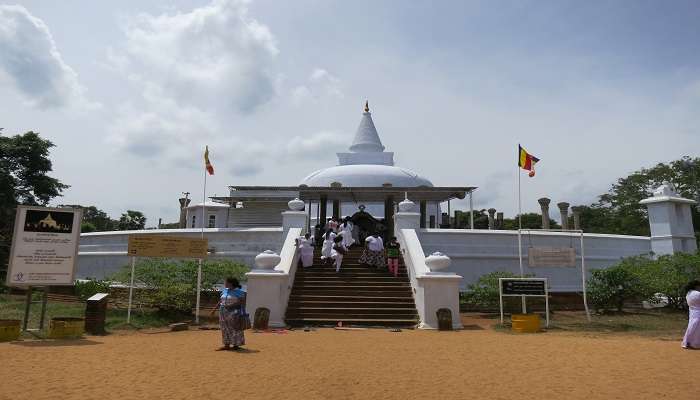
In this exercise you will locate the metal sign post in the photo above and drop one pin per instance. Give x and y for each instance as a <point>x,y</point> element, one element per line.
<point>563,263</point>
<point>165,247</point>
<point>524,287</point>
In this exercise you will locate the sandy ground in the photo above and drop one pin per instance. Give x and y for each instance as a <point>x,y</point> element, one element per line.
<point>371,364</point>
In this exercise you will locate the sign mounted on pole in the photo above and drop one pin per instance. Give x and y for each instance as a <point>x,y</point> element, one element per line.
<point>524,287</point>
<point>44,246</point>
<point>166,246</point>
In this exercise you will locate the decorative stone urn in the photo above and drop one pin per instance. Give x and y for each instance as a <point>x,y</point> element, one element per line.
<point>267,260</point>
<point>296,205</point>
<point>438,262</point>
<point>406,206</point>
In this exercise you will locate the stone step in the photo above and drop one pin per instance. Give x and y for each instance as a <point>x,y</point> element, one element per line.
<point>350,298</point>
<point>352,310</point>
<point>350,304</point>
<point>333,274</point>
<point>341,316</point>
<point>352,322</point>
<point>353,292</point>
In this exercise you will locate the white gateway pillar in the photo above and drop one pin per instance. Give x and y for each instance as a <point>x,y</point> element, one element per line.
<point>671,222</point>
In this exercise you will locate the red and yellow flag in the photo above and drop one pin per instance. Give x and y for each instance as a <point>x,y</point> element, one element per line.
<point>527,161</point>
<point>207,164</point>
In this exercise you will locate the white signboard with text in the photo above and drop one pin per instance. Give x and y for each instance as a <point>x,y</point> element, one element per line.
<point>44,246</point>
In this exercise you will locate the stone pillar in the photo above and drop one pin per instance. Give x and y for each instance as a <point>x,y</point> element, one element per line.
<point>670,221</point>
<point>576,211</point>
<point>492,222</point>
<point>544,206</point>
<point>336,208</point>
<point>323,204</point>
<point>295,218</point>
<point>564,211</point>
<point>184,202</point>
<point>389,216</point>
<point>499,220</point>
<point>423,213</point>
<point>406,218</point>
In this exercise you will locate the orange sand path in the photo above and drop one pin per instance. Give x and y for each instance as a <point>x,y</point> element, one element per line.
<point>351,365</point>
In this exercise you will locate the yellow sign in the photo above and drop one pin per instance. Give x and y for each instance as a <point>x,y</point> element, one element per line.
<point>167,246</point>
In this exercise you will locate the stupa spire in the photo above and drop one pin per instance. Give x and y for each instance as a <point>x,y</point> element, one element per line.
<point>366,138</point>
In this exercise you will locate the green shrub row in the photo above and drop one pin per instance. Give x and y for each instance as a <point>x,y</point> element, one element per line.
<point>636,278</point>
<point>167,285</point>
<point>643,278</point>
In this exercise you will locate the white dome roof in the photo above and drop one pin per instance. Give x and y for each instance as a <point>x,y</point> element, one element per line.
<point>365,176</point>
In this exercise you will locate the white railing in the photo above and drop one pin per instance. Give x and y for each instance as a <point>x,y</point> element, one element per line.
<point>431,290</point>
<point>289,260</point>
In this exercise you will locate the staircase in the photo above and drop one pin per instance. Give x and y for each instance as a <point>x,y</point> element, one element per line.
<point>357,295</point>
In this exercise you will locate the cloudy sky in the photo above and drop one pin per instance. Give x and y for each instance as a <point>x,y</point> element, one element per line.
<point>131,91</point>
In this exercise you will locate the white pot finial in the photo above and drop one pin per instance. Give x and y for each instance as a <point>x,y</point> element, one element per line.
<point>296,205</point>
<point>267,260</point>
<point>406,205</point>
<point>438,262</point>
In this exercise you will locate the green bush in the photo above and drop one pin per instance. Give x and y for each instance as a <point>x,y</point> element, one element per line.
<point>668,275</point>
<point>86,289</point>
<point>171,285</point>
<point>484,292</point>
<point>642,278</point>
<point>609,288</point>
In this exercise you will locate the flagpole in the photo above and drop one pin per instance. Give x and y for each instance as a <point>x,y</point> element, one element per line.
<point>520,238</point>
<point>199,265</point>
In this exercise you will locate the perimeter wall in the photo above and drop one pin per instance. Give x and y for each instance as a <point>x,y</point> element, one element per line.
<point>103,253</point>
<point>478,252</point>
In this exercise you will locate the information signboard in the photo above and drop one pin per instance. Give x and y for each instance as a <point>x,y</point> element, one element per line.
<point>167,246</point>
<point>524,287</point>
<point>520,287</point>
<point>44,246</point>
<point>551,257</point>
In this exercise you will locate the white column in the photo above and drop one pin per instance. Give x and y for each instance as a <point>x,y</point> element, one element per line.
<point>671,222</point>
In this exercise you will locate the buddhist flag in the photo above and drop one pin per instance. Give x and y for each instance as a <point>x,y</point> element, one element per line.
<point>527,161</point>
<point>207,164</point>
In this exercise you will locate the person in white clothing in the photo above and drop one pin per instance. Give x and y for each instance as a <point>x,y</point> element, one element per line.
<point>327,248</point>
<point>306,250</point>
<point>338,252</point>
<point>346,232</point>
<point>691,340</point>
<point>373,254</point>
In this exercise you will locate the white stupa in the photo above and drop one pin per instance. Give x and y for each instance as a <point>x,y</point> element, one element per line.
<point>366,164</point>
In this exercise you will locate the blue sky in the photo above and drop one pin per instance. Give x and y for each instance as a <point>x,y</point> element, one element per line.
<point>130,92</point>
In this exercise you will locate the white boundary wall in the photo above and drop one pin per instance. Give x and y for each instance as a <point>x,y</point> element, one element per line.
<point>478,252</point>
<point>102,253</point>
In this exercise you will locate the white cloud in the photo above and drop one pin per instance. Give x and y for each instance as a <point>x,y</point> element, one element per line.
<point>29,58</point>
<point>214,56</point>
<point>321,143</point>
<point>321,84</point>
<point>253,157</point>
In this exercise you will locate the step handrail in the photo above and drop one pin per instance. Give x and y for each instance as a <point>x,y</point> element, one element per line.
<point>289,260</point>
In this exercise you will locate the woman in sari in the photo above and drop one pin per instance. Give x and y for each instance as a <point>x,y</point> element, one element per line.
<point>306,250</point>
<point>691,340</point>
<point>346,232</point>
<point>231,312</point>
<point>373,254</point>
<point>327,248</point>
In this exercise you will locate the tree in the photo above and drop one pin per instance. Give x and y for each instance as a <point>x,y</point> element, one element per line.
<point>132,220</point>
<point>24,179</point>
<point>95,217</point>
<point>530,221</point>
<point>619,211</point>
<point>481,219</point>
